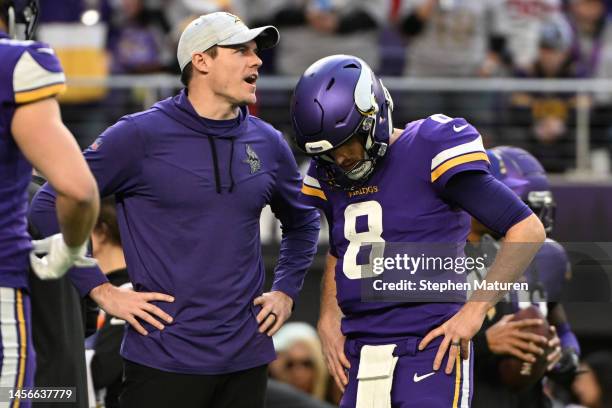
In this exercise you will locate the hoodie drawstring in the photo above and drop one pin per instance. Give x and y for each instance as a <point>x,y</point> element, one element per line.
<point>213,149</point>
<point>230,166</point>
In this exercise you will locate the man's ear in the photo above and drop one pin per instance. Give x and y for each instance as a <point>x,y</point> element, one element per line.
<point>202,62</point>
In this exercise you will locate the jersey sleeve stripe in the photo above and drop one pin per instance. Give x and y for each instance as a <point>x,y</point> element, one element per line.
<point>466,387</point>
<point>22,339</point>
<point>29,74</point>
<point>466,158</point>
<point>473,146</point>
<point>40,93</point>
<point>315,192</point>
<point>311,181</point>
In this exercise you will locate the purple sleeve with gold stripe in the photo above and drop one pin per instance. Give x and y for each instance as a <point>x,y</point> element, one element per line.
<point>454,146</point>
<point>313,193</point>
<point>37,74</point>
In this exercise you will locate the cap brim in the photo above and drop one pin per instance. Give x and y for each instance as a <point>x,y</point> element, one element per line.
<point>265,37</point>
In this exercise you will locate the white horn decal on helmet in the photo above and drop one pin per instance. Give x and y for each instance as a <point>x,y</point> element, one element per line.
<point>364,95</point>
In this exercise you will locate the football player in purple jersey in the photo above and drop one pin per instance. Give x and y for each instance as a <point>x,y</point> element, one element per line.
<point>378,184</point>
<point>32,134</point>
<point>523,174</point>
<point>191,176</point>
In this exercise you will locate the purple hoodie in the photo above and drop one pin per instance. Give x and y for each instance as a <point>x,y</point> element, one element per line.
<point>189,196</point>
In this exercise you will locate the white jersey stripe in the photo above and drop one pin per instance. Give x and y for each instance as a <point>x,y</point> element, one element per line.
<point>311,181</point>
<point>473,146</point>
<point>9,338</point>
<point>465,385</point>
<point>29,75</point>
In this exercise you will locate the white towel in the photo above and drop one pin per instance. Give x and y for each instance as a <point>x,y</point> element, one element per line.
<point>375,376</point>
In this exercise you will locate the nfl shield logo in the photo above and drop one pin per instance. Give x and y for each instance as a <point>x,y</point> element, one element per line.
<point>252,159</point>
<point>96,144</point>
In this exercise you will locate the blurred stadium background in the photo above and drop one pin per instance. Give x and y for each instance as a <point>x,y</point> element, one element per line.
<point>531,73</point>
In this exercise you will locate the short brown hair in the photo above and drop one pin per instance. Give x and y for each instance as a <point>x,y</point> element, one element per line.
<point>187,72</point>
<point>107,221</point>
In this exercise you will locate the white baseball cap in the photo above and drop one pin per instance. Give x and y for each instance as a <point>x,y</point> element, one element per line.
<point>221,28</point>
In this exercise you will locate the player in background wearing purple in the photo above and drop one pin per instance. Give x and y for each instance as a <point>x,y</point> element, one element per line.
<point>525,176</point>
<point>376,183</point>
<point>32,134</point>
<point>190,177</point>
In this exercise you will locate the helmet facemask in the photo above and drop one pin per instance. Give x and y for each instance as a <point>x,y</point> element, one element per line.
<point>22,20</point>
<point>544,207</point>
<point>361,171</point>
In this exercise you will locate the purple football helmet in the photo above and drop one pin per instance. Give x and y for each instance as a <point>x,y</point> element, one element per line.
<point>339,97</point>
<point>523,174</point>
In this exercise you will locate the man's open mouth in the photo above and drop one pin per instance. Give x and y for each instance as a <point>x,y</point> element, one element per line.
<point>251,79</point>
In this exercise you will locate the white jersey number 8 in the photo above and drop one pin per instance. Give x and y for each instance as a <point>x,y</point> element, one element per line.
<point>373,211</point>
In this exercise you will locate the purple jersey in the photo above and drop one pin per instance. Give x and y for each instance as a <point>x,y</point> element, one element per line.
<point>29,71</point>
<point>402,202</point>
<point>189,193</point>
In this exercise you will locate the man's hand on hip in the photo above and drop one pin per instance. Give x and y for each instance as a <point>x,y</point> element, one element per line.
<point>275,310</point>
<point>457,332</point>
<point>129,305</point>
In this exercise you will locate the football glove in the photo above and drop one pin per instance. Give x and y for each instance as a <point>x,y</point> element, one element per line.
<point>58,257</point>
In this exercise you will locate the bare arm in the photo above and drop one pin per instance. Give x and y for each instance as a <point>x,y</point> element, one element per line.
<point>52,150</point>
<point>328,327</point>
<point>522,241</point>
<point>329,304</point>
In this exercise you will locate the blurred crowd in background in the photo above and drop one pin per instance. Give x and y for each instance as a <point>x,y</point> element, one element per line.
<point>541,39</point>
<point>401,38</point>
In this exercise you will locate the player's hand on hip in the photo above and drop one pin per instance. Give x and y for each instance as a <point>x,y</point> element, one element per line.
<point>508,337</point>
<point>332,342</point>
<point>457,332</point>
<point>275,310</point>
<point>130,306</point>
<point>58,257</point>
<point>554,344</point>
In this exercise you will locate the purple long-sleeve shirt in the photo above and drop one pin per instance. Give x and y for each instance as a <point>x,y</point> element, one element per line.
<point>189,195</point>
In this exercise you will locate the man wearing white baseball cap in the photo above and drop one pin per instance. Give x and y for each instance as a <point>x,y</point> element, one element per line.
<point>190,177</point>
<point>219,29</point>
